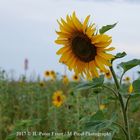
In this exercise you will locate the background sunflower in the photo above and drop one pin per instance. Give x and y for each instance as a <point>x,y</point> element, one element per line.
<point>58,98</point>
<point>76,78</point>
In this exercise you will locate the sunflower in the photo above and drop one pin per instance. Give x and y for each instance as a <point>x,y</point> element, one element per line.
<point>58,98</point>
<point>108,74</point>
<point>127,79</point>
<point>42,84</point>
<point>75,77</point>
<point>47,73</point>
<point>83,51</point>
<point>65,79</point>
<point>53,75</point>
<point>52,72</point>
<point>102,106</point>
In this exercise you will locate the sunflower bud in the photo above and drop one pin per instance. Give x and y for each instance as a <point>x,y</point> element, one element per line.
<point>130,89</point>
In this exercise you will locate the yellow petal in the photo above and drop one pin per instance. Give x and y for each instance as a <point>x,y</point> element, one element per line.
<point>61,41</point>
<point>103,44</point>
<point>106,49</point>
<point>65,56</point>
<point>70,22</point>
<point>64,28</point>
<point>90,31</point>
<point>71,62</point>
<point>93,69</point>
<point>99,64</point>
<point>85,23</point>
<point>105,55</point>
<point>62,50</point>
<point>100,38</point>
<point>80,66</point>
<point>104,61</point>
<point>77,23</point>
<point>64,34</point>
<point>110,49</point>
<point>66,25</point>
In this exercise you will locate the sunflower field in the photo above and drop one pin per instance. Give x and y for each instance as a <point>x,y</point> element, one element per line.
<point>97,102</point>
<point>64,109</point>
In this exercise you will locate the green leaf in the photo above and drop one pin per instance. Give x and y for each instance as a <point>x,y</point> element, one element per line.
<point>130,64</point>
<point>98,116</point>
<point>135,106</point>
<point>136,85</point>
<point>114,129</point>
<point>22,126</point>
<point>111,98</point>
<point>119,55</point>
<point>97,122</point>
<point>28,122</point>
<point>135,96</point>
<point>96,82</point>
<point>106,28</point>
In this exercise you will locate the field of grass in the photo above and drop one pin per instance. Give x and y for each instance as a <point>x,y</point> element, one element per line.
<point>27,111</point>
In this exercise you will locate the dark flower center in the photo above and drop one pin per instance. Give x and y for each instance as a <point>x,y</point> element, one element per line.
<point>58,98</point>
<point>127,79</point>
<point>108,74</point>
<point>83,49</point>
<point>47,73</point>
<point>75,77</point>
<point>52,72</point>
<point>41,84</point>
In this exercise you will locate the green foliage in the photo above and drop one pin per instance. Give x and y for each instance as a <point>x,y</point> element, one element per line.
<point>136,86</point>
<point>96,82</point>
<point>27,107</point>
<point>135,96</point>
<point>106,28</point>
<point>98,122</point>
<point>98,116</point>
<point>129,64</point>
<point>119,55</point>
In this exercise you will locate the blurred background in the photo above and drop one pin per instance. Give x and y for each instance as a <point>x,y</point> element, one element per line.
<point>27,30</point>
<point>31,101</point>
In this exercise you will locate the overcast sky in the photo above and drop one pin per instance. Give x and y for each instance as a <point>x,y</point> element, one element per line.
<point>27,29</point>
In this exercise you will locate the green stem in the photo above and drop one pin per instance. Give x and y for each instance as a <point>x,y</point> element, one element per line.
<point>55,117</point>
<point>126,107</point>
<point>98,101</point>
<point>121,77</point>
<point>124,112</point>
<point>115,78</point>
<point>120,127</point>
<point>78,111</point>
<point>112,90</point>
